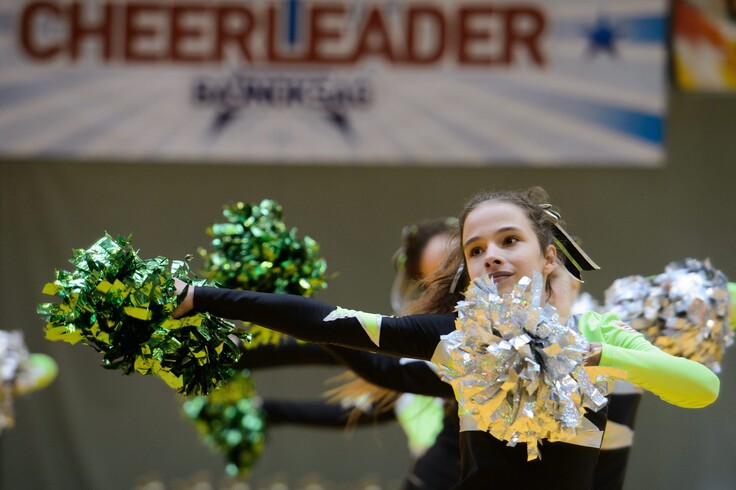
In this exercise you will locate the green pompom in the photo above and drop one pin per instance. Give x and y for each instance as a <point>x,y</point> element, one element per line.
<point>255,251</point>
<point>231,422</point>
<point>121,305</point>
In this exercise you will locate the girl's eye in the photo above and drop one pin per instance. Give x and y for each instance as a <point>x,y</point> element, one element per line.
<point>510,240</point>
<point>475,251</point>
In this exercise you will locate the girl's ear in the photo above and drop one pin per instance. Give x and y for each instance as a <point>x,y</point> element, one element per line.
<point>550,260</point>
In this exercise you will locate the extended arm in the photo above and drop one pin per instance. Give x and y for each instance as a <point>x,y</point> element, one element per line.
<point>320,414</point>
<point>414,336</point>
<point>676,380</point>
<point>403,375</point>
<point>287,353</point>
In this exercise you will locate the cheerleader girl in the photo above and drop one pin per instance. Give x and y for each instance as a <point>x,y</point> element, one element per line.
<point>505,236</point>
<point>406,390</point>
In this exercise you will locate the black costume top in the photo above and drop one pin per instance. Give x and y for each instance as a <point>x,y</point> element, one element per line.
<point>610,471</point>
<point>437,469</point>
<point>485,461</point>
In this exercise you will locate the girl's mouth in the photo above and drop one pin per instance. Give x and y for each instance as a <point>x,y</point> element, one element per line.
<point>500,276</point>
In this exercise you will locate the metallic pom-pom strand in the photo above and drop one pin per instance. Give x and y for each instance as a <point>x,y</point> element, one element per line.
<point>20,372</point>
<point>231,422</point>
<point>694,306</point>
<point>628,297</point>
<point>515,370</point>
<point>584,303</point>
<point>121,305</point>
<point>684,311</point>
<point>254,250</point>
<point>13,353</point>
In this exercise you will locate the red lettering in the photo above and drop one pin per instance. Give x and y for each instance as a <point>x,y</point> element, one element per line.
<point>29,43</point>
<point>422,33</point>
<point>524,26</point>
<point>227,32</point>
<point>136,34</point>
<point>432,16</point>
<point>79,31</point>
<point>374,38</point>
<point>467,35</point>
<point>320,33</point>
<point>518,26</point>
<point>179,33</point>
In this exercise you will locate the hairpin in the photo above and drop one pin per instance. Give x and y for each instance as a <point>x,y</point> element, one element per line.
<point>576,260</point>
<point>456,279</point>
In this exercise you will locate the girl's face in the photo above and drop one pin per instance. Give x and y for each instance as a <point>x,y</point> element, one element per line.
<point>432,254</point>
<point>498,240</point>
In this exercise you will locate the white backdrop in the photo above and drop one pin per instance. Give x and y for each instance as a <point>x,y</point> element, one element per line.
<point>470,82</point>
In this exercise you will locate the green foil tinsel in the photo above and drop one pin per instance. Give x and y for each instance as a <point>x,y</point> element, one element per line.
<point>253,250</point>
<point>121,305</point>
<point>230,421</point>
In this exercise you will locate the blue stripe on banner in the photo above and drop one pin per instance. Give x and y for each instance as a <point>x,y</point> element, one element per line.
<point>645,29</point>
<point>650,29</point>
<point>640,124</point>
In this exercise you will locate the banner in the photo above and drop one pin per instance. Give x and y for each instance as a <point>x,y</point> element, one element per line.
<point>704,45</point>
<point>441,82</point>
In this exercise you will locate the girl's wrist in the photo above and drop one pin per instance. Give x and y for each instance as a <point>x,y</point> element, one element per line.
<point>594,354</point>
<point>185,298</point>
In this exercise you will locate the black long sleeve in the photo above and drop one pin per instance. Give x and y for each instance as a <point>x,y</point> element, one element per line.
<point>485,461</point>
<point>610,470</point>
<point>414,336</point>
<point>319,414</point>
<point>439,467</point>
<point>391,372</point>
<point>288,353</point>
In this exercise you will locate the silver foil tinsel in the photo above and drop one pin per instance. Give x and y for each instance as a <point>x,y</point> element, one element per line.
<point>13,352</point>
<point>685,310</point>
<point>516,370</point>
<point>584,303</point>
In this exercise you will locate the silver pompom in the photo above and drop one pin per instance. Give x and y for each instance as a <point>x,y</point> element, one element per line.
<point>684,311</point>
<point>584,303</point>
<point>13,353</point>
<point>629,298</point>
<point>515,370</point>
<point>695,306</point>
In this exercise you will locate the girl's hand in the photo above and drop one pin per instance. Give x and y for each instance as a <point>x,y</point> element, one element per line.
<point>594,356</point>
<point>187,303</point>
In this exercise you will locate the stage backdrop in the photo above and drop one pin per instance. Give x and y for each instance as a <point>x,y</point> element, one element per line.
<point>338,81</point>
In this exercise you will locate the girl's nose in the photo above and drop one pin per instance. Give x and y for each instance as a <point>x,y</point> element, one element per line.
<point>493,258</point>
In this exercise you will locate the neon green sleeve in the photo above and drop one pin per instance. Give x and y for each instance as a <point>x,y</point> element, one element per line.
<point>421,417</point>
<point>676,380</point>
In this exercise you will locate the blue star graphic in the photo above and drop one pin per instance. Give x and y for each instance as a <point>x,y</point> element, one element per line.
<point>602,36</point>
